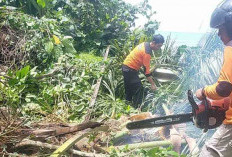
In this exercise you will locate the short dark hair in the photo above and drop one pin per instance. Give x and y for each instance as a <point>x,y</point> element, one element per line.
<point>158,39</point>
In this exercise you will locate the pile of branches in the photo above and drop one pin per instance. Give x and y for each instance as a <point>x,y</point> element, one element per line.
<point>12,47</point>
<point>17,137</point>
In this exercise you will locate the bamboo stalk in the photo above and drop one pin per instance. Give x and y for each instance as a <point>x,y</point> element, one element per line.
<point>147,144</point>
<point>68,144</point>
<point>96,89</point>
<point>120,134</point>
<point>166,110</point>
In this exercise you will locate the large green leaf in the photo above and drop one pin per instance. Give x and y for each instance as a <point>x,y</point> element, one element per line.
<point>42,3</point>
<point>23,72</point>
<point>49,46</point>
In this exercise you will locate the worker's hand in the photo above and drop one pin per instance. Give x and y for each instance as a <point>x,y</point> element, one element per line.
<point>199,94</point>
<point>153,87</point>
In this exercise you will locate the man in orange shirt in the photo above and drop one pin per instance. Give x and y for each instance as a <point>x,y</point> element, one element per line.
<point>220,144</point>
<point>138,57</point>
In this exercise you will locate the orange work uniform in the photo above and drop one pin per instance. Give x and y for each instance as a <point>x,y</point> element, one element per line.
<point>223,87</point>
<point>140,56</point>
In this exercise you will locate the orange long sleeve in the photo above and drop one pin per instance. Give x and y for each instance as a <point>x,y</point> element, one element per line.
<point>223,87</point>
<point>219,90</point>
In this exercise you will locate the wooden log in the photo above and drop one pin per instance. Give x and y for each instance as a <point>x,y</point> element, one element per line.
<point>141,116</point>
<point>45,124</point>
<point>194,150</point>
<point>50,146</point>
<point>69,143</point>
<point>78,127</point>
<point>175,138</point>
<point>44,132</point>
<point>60,130</point>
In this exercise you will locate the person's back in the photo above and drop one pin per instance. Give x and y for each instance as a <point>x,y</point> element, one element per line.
<point>139,56</point>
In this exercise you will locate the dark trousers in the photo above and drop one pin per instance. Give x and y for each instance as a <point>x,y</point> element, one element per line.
<point>133,86</point>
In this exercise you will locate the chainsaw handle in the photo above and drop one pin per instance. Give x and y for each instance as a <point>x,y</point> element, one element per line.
<point>206,114</point>
<point>192,101</point>
<point>196,108</point>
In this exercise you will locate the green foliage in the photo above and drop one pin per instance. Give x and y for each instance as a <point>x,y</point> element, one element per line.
<point>181,49</point>
<point>20,83</point>
<point>159,152</point>
<point>93,24</point>
<point>32,7</point>
<point>52,79</point>
<point>154,152</point>
<point>89,58</point>
<point>67,93</point>
<point>72,87</point>
<point>42,41</point>
<point>41,3</point>
<point>96,23</point>
<point>167,54</point>
<point>121,49</point>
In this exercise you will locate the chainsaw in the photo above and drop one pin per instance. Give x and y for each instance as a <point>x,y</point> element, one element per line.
<point>206,115</point>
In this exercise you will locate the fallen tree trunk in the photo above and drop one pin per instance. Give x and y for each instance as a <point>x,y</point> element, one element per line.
<point>55,131</point>
<point>78,127</point>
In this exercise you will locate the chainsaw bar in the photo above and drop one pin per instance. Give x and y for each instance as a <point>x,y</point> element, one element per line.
<point>160,121</point>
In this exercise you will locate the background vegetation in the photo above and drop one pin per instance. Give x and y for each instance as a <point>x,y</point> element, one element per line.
<point>51,56</point>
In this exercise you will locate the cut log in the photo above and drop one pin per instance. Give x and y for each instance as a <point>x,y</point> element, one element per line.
<point>176,140</point>
<point>175,136</point>
<point>194,150</point>
<point>141,116</point>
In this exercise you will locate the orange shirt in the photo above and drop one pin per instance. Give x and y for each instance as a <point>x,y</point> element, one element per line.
<point>223,87</point>
<point>139,56</point>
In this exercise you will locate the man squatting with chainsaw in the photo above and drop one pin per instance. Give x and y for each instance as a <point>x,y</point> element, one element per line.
<point>220,144</point>
<point>138,57</point>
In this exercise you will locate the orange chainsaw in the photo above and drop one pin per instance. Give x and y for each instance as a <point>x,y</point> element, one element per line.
<point>206,115</point>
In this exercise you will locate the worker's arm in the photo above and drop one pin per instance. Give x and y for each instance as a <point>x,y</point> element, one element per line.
<point>223,87</point>
<point>146,63</point>
<point>153,86</point>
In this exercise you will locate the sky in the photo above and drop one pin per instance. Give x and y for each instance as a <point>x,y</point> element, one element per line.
<point>181,15</point>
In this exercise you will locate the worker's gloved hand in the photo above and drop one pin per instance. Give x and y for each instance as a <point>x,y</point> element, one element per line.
<point>153,87</point>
